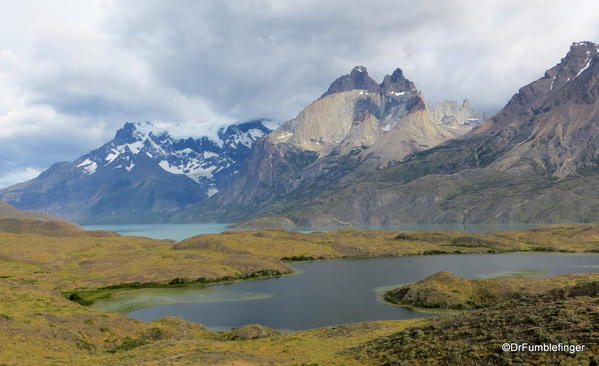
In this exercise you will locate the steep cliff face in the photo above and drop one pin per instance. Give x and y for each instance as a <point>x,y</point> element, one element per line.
<point>356,127</point>
<point>355,111</point>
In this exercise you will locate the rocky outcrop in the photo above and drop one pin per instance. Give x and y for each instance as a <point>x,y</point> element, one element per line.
<point>252,331</point>
<point>357,79</point>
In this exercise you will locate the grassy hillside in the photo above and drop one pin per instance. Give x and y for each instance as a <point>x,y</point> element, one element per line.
<point>8,211</point>
<point>48,228</point>
<point>475,337</point>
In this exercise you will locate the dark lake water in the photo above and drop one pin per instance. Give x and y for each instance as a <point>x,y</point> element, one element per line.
<point>335,291</point>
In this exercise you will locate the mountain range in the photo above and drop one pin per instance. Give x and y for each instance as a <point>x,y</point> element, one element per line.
<point>363,153</point>
<point>145,173</point>
<point>536,160</point>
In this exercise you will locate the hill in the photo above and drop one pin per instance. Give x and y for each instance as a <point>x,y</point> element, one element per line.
<point>445,290</point>
<point>8,211</point>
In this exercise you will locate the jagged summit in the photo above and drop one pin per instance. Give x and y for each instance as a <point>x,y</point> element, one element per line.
<point>359,68</point>
<point>397,83</point>
<point>578,59</point>
<point>356,128</point>
<point>458,117</point>
<point>357,79</point>
<point>356,111</point>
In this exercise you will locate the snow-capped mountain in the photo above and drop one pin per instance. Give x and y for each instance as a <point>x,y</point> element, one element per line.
<point>210,162</point>
<point>146,170</point>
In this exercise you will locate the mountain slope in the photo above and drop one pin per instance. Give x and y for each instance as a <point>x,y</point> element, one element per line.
<point>142,175</point>
<point>355,128</point>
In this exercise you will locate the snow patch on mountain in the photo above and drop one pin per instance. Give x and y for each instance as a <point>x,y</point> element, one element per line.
<point>88,167</point>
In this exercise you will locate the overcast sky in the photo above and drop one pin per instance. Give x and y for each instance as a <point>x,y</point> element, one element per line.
<point>72,72</point>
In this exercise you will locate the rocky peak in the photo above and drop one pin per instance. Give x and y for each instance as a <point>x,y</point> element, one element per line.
<point>357,79</point>
<point>579,58</point>
<point>397,83</point>
<point>126,134</point>
<point>458,117</point>
<point>537,96</point>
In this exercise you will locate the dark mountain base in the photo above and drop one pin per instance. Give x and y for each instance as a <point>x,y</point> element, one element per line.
<point>471,197</point>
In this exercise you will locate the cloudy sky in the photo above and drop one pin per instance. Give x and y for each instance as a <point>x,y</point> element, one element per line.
<point>72,72</point>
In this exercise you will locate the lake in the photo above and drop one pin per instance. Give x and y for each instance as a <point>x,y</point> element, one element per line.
<point>162,231</point>
<point>331,292</point>
<point>183,231</point>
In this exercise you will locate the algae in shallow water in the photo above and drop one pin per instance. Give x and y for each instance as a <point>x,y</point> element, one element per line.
<point>129,300</point>
<point>521,273</point>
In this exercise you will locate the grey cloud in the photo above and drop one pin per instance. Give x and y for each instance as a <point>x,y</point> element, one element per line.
<point>76,71</point>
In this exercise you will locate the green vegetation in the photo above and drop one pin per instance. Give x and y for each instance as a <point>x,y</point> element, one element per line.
<point>300,258</point>
<point>10,212</point>
<point>87,297</point>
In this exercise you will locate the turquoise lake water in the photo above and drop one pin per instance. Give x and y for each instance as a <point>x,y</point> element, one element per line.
<point>183,231</point>
<point>162,231</point>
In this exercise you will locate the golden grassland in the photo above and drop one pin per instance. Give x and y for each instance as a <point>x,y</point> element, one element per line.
<point>39,261</point>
